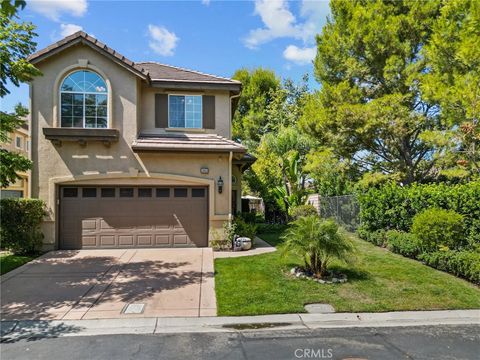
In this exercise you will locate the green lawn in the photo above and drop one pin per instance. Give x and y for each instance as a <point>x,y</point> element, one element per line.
<point>8,262</point>
<point>378,281</point>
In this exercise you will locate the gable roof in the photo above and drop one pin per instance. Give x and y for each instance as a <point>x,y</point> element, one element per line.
<point>84,38</point>
<point>150,71</point>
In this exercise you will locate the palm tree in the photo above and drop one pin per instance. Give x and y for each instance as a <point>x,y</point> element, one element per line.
<point>317,241</point>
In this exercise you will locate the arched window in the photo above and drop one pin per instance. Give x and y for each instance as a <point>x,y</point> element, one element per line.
<point>83,100</point>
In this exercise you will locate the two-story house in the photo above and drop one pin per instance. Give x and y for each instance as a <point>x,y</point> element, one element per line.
<point>131,154</point>
<point>19,142</point>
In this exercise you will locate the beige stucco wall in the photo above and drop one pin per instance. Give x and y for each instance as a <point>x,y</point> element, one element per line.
<point>95,163</point>
<point>222,111</point>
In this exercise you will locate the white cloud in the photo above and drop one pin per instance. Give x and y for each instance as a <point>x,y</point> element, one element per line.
<point>278,21</point>
<point>162,41</point>
<point>53,9</point>
<point>300,56</point>
<point>69,29</point>
<point>206,2</point>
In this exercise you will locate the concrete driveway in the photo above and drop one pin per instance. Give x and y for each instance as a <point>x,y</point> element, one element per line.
<point>93,284</point>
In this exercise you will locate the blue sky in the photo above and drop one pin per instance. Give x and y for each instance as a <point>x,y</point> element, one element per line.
<point>216,37</point>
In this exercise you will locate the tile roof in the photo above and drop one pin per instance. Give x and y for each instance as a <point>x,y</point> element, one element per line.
<point>165,72</point>
<point>82,37</point>
<point>148,70</point>
<point>186,142</point>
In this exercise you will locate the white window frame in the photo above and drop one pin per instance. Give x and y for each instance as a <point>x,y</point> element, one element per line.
<point>60,92</point>
<point>188,128</point>
<point>18,139</point>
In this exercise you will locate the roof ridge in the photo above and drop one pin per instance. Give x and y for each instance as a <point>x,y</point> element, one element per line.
<point>189,70</point>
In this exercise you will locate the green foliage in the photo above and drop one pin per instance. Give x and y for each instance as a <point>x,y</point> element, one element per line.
<point>245,229</point>
<point>279,175</point>
<point>16,44</point>
<point>9,7</point>
<point>331,176</point>
<point>219,242</point>
<point>437,228</point>
<point>317,242</point>
<point>403,243</point>
<point>464,263</point>
<point>8,262</point>
<point>370,108</point>
<point>453,82</point>
<point>20,227</point>
<point>258,87</point>
<point>392,207</point>
<point>377,237</point>
<point>10,164</point>
<point>229,230</point>
<point>271,228</point>
<point>303,210</point>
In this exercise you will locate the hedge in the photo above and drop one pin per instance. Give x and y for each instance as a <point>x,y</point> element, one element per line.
<point>392,207</point>
<point>20,225</point>
<point>403,243</point>
<point>464,263</point>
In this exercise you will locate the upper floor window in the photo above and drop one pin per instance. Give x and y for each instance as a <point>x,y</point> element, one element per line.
<point>185,111</point>
<point>18,142</point>
<point>83,100</point>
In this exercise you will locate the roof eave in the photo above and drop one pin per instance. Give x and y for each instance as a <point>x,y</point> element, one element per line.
<point>34,59</point>
<point>196,85</point>
<point>140,148</point>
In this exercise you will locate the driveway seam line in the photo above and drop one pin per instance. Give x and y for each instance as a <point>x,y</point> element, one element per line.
<point>101,276</point>
<point>201,285</point>
<point>108,286</point>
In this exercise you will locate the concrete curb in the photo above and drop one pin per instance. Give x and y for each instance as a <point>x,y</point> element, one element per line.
<point>17,330</point>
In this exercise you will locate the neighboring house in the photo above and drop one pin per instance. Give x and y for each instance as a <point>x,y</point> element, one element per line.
<point>131,154</point>
<point>252,204</point>
<point>314,200</point>
<point>20,143</point>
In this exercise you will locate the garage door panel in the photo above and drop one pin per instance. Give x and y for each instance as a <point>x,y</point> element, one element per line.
<point>126,240</point>
<point>133,222</point>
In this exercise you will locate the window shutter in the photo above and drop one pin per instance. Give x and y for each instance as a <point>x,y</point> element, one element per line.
<point>208,106</point>
<point>161,110</point>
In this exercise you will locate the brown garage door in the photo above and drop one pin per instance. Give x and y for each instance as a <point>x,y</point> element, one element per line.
<point>128,217</point>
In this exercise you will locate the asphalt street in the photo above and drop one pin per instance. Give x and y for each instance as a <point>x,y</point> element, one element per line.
<point>421,342</point>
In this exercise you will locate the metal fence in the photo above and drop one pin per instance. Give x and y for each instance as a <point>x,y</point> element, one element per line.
<point>344,209</point>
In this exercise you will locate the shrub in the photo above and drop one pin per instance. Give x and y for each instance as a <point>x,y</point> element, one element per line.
<point>251,217</point>
<point>20,225</point>
<point>243,228</point>
<point>317,242</point>
<point>403,243</point>
<point>392,207</point>
<point>465,263</point>
<point>377,237</point>
<point>438,227</point>
<point>266,228</point>
<point>303,210</point>
<point>219,242</point>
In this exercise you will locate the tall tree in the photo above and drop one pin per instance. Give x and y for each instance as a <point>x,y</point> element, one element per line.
<point>16,44</point>
<point>453,81</point>
<point>258,87</point>
<point>370,108</point>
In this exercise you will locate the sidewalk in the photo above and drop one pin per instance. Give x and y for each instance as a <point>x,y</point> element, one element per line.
<point>16,330</point>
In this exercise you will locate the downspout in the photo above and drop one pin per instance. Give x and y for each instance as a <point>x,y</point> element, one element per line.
<point>231,114</point>
<point>230,217</point>
<point>230,158</point>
